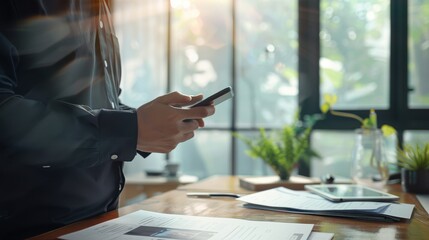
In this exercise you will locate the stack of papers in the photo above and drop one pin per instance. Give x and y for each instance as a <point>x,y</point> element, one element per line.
<point>283,199</point>
<point>424,200</point>
<point>151,225</point>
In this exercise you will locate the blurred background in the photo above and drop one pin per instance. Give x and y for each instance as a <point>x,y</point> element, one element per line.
<point>279,56</point>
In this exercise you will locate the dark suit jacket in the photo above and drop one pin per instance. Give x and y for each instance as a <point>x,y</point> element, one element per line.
<point>63,133</point>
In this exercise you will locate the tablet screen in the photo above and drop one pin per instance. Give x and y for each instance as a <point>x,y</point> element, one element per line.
<point>350,192</point>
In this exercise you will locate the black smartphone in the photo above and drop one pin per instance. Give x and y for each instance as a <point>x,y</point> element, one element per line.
<point>216,98</point>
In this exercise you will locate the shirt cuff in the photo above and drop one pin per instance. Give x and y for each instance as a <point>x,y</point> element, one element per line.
<point>118,134</point>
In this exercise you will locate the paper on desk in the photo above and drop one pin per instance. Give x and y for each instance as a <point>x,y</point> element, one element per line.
<point>150,225</point>
<point>424,201</point>
<point>282,199</point>
<point>321,236</point>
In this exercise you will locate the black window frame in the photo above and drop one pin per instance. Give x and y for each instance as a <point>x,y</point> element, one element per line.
<point>399,115</point>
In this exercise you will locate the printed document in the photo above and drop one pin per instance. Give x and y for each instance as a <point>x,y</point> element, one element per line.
<point>283,199</point>
<point>154,226</point>
<point>424,201</point>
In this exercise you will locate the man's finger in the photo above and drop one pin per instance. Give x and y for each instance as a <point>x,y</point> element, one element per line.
<point>195,99</point>
<point>200,122</point>
<point>174,98</point>
<point>189,125</point>
<point>187,136</point>
<point>197,112</point>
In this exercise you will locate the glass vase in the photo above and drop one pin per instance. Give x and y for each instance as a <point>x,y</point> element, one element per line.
<point>371,158</point>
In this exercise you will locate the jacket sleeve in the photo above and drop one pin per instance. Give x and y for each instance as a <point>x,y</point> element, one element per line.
<point>58,134</point>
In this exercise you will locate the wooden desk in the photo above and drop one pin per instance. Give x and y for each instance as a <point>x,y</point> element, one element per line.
<point>140,183</point>
<point>176,202</point>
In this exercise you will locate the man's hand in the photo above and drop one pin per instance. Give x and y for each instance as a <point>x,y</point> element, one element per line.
<point>162,125</point>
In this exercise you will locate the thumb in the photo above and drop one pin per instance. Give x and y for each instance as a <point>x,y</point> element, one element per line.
<point>174,98</point>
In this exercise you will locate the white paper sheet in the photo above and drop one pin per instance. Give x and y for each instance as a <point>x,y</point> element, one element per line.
<point>321,236</point>
<point>424,200</point>
<point>283,199</point>
<point>154,226</point>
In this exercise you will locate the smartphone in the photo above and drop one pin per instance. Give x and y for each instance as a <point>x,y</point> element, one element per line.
<point>216,98</point>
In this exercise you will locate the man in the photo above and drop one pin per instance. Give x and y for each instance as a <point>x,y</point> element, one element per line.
<point>64,134</point>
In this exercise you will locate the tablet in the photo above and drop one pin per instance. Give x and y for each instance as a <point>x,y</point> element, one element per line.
<point>350,192</point>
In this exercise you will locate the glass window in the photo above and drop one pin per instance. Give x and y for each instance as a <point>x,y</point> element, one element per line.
<point>335,149</point>
<point>266,57</point>
<point>355,52</point>
<point>418,40</point>
<point>207,154</point>
<point>201,41</point>
<point>196,46</point>
<point>141,28</point>
<point>416,137</point>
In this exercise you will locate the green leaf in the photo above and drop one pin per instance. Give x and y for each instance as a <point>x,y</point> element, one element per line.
<point>325,107</point>
<point>414,157</point>
<point>388,130</point>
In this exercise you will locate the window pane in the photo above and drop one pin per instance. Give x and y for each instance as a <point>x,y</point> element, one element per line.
<point>355,46</point>
<point>418,53</point>
<point>416,137</point>
<point>208,153</point>
<point>335,149</point>
<point>141,28</point>
<point>266,51</point>
<point>201,51</point>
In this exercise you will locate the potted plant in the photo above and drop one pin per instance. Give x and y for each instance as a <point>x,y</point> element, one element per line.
<point>414,163</point>
<point>283,149</point>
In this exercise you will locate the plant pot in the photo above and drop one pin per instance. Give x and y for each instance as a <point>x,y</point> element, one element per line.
<point>284,175</point>
<point>415,181</point>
